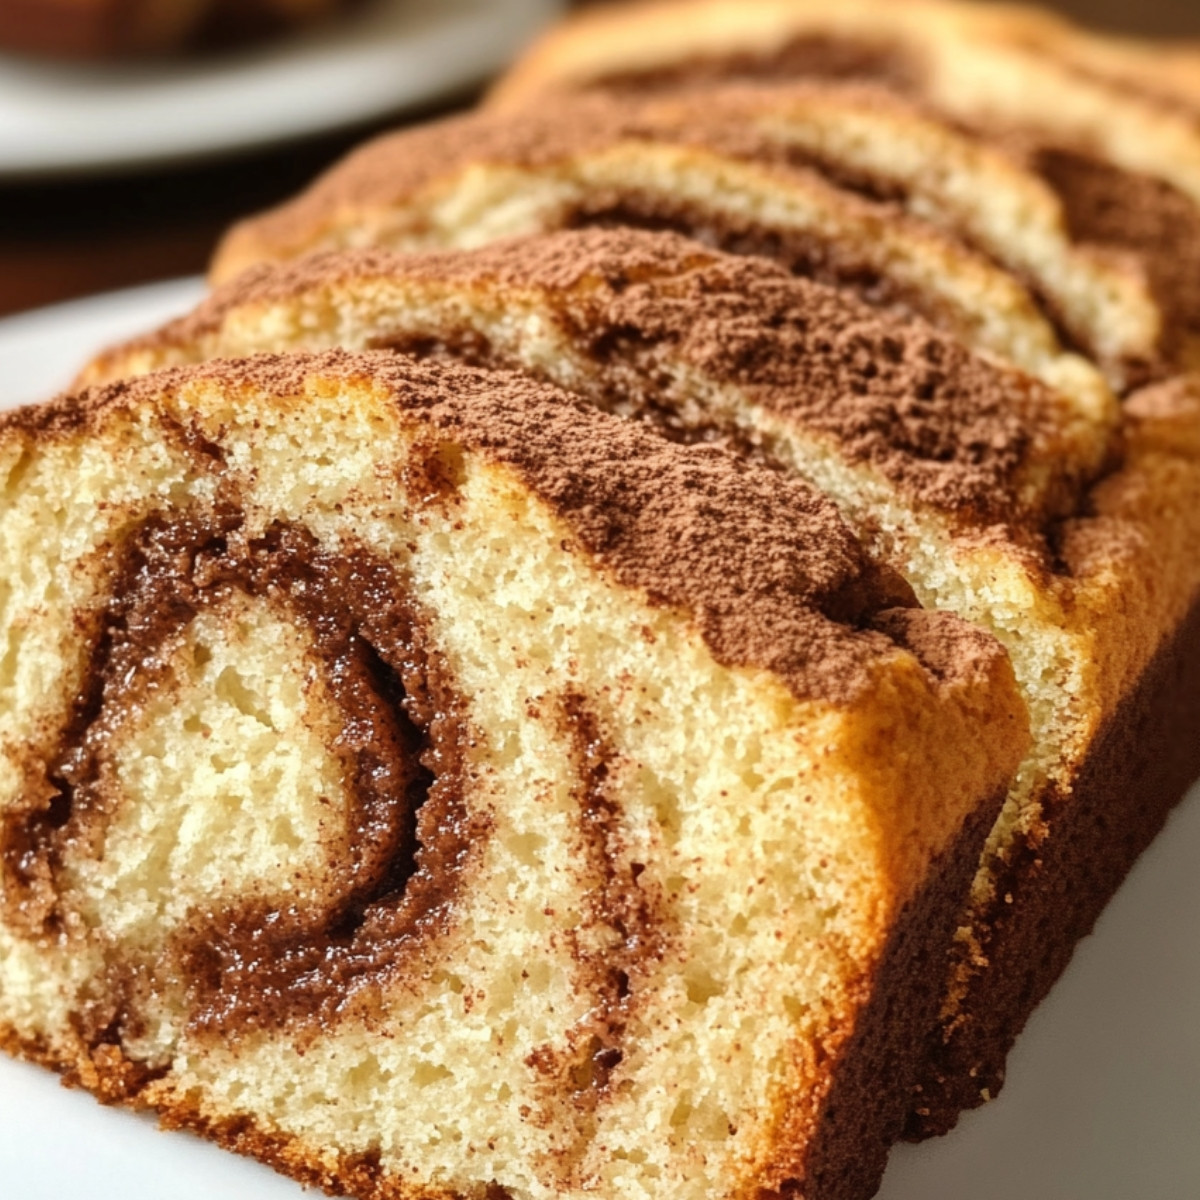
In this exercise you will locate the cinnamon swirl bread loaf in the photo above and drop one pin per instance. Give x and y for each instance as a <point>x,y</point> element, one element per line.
<point>1063,526</point>
<point>585,814</point>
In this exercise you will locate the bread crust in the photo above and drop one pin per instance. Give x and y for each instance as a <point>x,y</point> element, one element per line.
<point>1050,895</point>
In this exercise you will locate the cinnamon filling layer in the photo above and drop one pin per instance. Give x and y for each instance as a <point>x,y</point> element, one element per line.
<point>404,837</point>
<point>615,899</point>
<point>1138,215</point>
<point>810,56</point>
<point>615,388</point>
<point>458,344</point>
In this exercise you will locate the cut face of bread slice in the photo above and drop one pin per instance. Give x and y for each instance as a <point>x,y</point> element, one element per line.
<point>740,175</point>
<point>993,496</point>
<point>585,813</point>
<point>1111,128</point>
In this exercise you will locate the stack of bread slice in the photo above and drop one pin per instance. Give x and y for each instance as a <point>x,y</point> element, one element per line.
<point>936,230</point>
<point>842,183</point>
<point>528,692</point>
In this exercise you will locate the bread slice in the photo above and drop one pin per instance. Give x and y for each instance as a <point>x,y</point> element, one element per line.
<point>1110,126</point>
<point>838,185</point>
<point>436,787</point>
<point>995,497</point>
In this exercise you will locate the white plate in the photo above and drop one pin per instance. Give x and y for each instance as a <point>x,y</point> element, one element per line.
<point>42,351</point>
<point>394,53</point>
<point>1103,1093</point>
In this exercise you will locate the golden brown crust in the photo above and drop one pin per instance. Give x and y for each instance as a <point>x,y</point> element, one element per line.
<point>888,1046</point>
<point>1052,891</point>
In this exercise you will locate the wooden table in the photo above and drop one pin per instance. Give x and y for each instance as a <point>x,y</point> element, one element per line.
<point>71,238</point>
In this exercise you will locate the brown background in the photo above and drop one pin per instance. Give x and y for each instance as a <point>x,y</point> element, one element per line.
<point>69,238</point>
<point>1147,17</point>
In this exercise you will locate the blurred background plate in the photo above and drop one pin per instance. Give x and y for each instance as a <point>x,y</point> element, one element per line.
<point>41,351</point>
<point>1103,1092</point>
<point>390,55</point>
